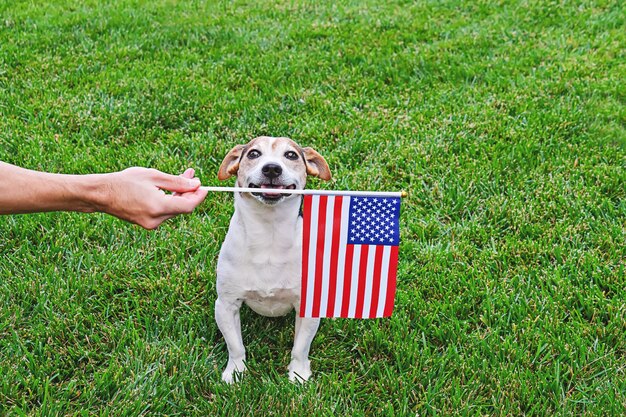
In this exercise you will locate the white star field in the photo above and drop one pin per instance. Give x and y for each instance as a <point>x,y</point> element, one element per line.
<point>374,221</point>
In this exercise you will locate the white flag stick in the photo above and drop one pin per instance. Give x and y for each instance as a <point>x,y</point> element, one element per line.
<point>304,192</point>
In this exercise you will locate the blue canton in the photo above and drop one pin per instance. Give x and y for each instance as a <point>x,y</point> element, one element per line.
<point>374,221</point>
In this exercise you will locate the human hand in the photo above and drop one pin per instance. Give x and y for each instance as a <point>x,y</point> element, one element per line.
<point>137,195</point>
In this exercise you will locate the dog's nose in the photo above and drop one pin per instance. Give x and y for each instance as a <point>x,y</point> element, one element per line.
<point>271,170</point>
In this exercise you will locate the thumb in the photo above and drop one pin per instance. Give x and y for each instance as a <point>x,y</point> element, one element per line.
<point>189,173</point>
<point>176,183</point>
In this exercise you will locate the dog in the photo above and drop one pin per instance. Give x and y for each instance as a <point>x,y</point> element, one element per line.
<point>260,260</point>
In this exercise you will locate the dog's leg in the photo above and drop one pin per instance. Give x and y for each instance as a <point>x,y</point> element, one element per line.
<point>228,321</point>
<point>300,366</point>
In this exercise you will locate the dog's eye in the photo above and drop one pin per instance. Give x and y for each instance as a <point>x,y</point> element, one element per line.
<point>291,155</point>
<point>254,154</point>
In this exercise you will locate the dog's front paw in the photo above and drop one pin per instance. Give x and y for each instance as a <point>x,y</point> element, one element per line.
<point>233,372</point>
<point>299,371</point>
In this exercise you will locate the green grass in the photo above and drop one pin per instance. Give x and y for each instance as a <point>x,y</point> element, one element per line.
<point>506,123</point>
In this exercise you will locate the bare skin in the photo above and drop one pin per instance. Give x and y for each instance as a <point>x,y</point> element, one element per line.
<point>136,195</point>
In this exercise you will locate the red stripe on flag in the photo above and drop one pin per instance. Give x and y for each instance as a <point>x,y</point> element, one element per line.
<point>378,265</point>
<point>347,281</point>
<point>319,256</point>
<point>306,235</point>
<point>334,255</point>
<point>360,295</point>
<point>391,286</point>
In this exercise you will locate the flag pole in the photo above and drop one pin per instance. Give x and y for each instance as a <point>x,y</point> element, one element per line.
<point>307,192</point>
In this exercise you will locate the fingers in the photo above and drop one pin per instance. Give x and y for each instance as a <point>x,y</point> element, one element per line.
<point>184,203</point>
<point>189,173</point>
<point>155,206</point>
<point>178,183</point>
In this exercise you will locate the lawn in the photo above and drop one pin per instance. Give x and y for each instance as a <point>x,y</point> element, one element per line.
<point>506,123</point>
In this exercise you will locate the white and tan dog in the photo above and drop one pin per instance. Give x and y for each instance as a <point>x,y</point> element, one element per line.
<point>260,260</point>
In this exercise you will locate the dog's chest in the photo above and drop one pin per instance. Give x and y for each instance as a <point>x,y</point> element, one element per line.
<point>266,278</point>
<point>262,266</point>
<point>270,266</point>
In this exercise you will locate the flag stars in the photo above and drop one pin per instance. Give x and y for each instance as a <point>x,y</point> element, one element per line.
<point>373,220</point>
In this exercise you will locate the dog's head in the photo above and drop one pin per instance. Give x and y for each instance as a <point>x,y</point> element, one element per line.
<point>267,162</point>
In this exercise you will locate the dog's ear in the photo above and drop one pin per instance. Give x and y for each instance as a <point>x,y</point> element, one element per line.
<point>230,164</point>
<point>316,164</point>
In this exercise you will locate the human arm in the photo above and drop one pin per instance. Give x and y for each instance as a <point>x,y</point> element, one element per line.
<point>134,194</point>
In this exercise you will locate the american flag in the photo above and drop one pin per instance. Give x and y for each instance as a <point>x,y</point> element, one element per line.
<point>349,256</point>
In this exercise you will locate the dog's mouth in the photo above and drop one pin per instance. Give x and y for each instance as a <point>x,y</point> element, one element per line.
<point>269,196</point>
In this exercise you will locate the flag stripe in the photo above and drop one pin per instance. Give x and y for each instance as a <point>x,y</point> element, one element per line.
<point>391,292</point>
<point>341,258</point>
<point>354,279</point>
<point>347,283</point>
<point>332,279</point>
<point>328,255</point>
<point>384,282</point>
<point>306,239</point>
<point>378,261</point>
<point>321,229</point>
<point>369,281</point>
<point>362,277</point>
<point>312,248</point>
